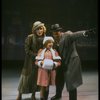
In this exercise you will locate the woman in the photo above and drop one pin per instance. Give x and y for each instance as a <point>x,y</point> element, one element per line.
<point>33,42</point>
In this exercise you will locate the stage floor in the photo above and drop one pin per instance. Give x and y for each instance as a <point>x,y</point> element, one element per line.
<point>87,91</point>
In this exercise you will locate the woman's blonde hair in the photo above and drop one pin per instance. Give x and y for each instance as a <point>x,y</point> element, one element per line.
<point>36,25</point>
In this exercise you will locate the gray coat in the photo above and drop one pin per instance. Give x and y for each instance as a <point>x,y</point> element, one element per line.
<point>31,51</point>
<point>70,60</point>
<point>28,77</point>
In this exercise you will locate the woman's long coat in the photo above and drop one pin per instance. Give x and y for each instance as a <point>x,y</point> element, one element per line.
<point>70,60</point>
<point>28,78</point>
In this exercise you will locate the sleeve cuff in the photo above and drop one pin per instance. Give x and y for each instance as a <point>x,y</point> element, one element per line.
<point>39,63</point>
<point>55,64</point>
<point>84,34</point>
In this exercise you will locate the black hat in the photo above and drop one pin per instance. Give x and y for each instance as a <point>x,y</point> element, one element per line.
<point>55,27</point>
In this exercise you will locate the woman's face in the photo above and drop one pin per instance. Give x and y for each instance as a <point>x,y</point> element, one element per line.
<point>49,45</point>
<point>40,31</point>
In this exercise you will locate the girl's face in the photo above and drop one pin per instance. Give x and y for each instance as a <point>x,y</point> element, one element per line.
<point>49,45</point>
<point>40,31</point>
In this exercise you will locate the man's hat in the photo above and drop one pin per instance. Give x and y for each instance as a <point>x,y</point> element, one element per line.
<point>55,27</point>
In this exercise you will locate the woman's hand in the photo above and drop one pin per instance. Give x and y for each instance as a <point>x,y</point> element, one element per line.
<point>42,63</point>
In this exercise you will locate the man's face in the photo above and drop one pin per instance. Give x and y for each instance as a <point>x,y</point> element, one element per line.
<point>40,31</point>
<point>57,35</point>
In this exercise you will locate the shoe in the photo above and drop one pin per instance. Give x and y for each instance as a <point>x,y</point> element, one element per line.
<point>42,99</point>
<point>56,97</point>
<point>33,97</point>
<point>19,98</point>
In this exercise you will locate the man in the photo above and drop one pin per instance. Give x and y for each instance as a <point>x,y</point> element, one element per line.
<point>33,42</point>
<point>70,70</point>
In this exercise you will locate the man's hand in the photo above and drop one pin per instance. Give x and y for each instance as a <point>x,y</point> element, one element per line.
<point>90,32</point>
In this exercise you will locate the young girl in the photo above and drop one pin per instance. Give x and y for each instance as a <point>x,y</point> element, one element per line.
<point>47,60</point>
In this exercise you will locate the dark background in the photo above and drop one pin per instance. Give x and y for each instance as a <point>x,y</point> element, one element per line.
<point>19,15</point>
